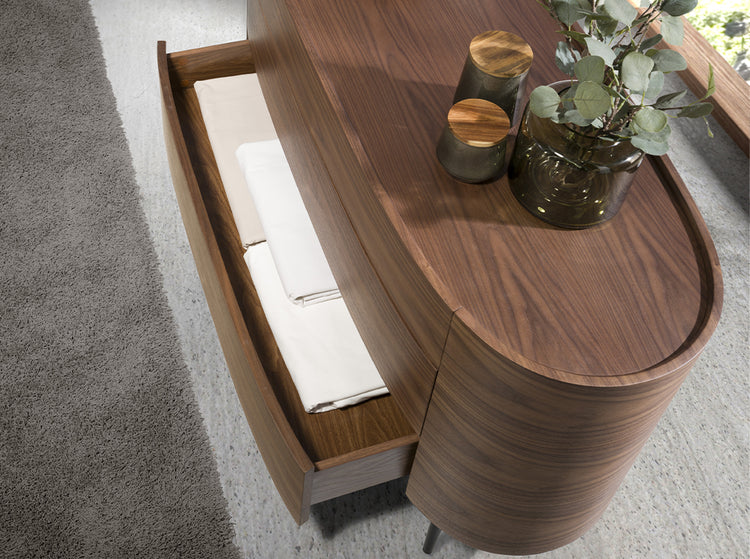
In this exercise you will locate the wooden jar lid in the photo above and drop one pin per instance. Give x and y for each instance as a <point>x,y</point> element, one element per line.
<point>478,123</point>
<point>501,54</point>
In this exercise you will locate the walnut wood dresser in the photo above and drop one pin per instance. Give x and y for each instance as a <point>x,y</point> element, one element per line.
<point>527,365</point>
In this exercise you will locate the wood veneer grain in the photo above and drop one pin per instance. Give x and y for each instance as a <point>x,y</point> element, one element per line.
<point>348,473</point>
<point>539,459</point>
<point>205,63</point>
<point>387,77</point>
<point>564,346</point>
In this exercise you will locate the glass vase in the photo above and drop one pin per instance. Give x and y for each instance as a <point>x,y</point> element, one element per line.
<point>567,178</point>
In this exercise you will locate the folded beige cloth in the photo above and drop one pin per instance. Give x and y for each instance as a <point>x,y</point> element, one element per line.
<point>320,344</point>
<point>235,112</point>
<point>290,235</point>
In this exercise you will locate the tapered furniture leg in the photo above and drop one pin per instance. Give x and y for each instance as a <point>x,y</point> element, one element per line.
<point>432,535</point>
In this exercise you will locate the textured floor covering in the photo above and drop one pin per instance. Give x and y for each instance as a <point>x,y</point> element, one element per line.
<point>103,452</point>
<point>686,496</point>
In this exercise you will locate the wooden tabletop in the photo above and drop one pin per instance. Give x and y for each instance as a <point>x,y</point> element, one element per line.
<point>595,306</point>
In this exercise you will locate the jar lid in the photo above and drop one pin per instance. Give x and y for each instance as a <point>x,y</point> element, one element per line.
<point>478,123</point>
<point>501,54</point>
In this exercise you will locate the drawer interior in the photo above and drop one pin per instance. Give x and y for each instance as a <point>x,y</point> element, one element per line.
<point>332,438</point>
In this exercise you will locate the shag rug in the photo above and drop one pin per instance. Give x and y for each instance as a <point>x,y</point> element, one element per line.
<point>103,452</point>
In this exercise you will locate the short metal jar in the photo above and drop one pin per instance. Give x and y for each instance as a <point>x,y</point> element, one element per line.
<point>472,144</point>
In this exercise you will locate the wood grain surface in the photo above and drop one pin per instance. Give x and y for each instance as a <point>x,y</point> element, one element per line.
<point>288,463</point>
<point>501,54</point>
<point>295,445</point>
<point>556,350</point>
<point>478,123</point>
<point>515,463</point>
<point>390,249</point>
<point>378,81</point>
<point>405,347</point>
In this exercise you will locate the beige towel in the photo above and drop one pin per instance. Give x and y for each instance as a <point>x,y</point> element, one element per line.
<point>235,112</point>
<point>320,344</point>
<point>299,258</point>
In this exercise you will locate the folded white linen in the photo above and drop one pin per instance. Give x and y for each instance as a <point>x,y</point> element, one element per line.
<point>321,347</point>
<point>299,258</point>
<point>235,112</point>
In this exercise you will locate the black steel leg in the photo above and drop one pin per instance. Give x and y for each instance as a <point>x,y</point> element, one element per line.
<point>432,535</point>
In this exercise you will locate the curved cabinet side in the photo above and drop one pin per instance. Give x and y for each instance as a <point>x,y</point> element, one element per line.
<point>512,462</point>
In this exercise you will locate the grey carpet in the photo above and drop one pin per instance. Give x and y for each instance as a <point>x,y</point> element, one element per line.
<point>102,448</point>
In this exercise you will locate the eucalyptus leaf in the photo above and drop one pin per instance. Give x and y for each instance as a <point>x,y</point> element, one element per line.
<point>708,128</point>
<point>590,68</point>
<point>621,10</point>
<point>667,60</point>
<point>564,58</point>
<point>650,119</point>
<point>711,86</point>
<point>672,29</point>
<point>598,48</point>
<point>650,42</point>
<point>575,117</point>
<point>591,100</point>
<point>697,111</point>
<point>655,85</point>
<point>649,145</point>
<point>567,12</point>
<point>670,101</point>
<point>617,72</point>
<point>544,101</point>
<point>661,136</point>
<point>653,143</point>
<point>579,38</point>
<point>607,27</point>
<point>678,8</point>
<point>636,71</point>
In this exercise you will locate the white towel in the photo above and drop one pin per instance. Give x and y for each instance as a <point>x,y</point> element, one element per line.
<point>235,112</point>
<point>321,347</point>
<point>299,258</point>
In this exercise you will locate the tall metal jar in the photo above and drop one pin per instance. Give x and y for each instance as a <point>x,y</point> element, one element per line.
<point>495,70</point>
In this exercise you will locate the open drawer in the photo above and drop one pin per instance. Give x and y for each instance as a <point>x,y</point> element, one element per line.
<point>311,457</point>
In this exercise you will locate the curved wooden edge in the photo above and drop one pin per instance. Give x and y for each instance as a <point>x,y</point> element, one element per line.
<point>712,280</point>
<point>732,98</point>
<point>289,466</point>
<point>516,463</point>
<point>712,298</point>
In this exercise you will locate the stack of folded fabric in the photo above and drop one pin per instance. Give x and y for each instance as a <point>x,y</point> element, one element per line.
<point>296,251</point>
<point>234,113</point>
<point>318,340</point>
<point>322,349</point>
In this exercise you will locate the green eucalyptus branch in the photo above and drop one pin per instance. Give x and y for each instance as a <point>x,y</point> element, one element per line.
<point>616,72</point>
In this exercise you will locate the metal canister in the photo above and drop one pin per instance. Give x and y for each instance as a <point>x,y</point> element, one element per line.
<point>472,144</point>
<point>496,69</point>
